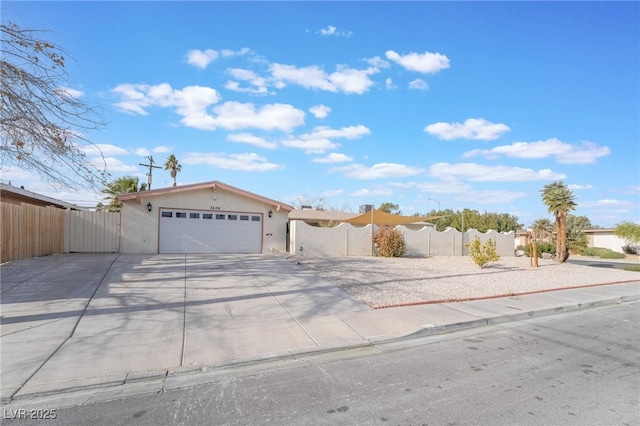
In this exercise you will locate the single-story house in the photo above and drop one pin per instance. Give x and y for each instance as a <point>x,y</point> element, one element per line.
<point>209,217</point>
<point>14,195</point>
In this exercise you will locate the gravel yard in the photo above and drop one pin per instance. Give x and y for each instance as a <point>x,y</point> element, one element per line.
<point>381,282</point>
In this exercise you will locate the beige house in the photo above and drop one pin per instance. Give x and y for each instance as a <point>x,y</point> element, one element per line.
<point>209,217</point>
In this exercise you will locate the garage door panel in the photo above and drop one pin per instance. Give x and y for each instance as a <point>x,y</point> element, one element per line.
<point>195,231</point>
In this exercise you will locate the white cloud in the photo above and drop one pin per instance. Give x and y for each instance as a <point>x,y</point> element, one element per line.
<point>351,132</point>
<point>311,145</point>
<point>389,84</point>
<point>162,149</point>
<point>332,192</point>
<point>72,93</point>
<point>473,128</point>
<point>377,62</point>
<point>259,83</point>
<point>252,140</point>
<point>426,63</point>
<point>236,115</point>
<point>102,149</point>
<point>378,171</point>
<point>579,187</point>
<point>333,31</point>
<point>585,153</point>
<point>201,58</point>
<point>320,111</point>
<point>334,157</point>
<point>142,152</point>
<point>113,165</point>
<point>190,102</point>
<point>229,53</point>
<point>491,196</point>
<point>247,162</point>
<point>445,187</point>
<point>319,140</point>
<point>346,80</point>
<point>372,192</point>
<point>482,173</point>
<point>418,84</point>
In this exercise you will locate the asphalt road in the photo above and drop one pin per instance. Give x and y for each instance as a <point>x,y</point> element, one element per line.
<point>601,263</point>
<point>580,368</point>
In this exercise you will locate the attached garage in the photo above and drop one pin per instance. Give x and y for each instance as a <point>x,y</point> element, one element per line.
<point>210,217</point>
<point>197,231</point>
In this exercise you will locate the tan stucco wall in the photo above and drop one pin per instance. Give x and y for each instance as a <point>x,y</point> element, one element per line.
<point>140,229</point>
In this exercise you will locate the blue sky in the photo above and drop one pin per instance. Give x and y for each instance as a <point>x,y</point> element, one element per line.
<point>424,104</point>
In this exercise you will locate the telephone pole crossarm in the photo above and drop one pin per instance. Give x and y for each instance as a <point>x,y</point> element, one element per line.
<point>151,167</point>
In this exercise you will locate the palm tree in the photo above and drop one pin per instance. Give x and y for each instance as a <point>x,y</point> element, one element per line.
<point>542,230</point>
<point>122,185</point>
<point>560,201</point>
<point>173,166</point>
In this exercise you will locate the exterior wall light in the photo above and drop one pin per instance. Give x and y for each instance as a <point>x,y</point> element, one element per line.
<point>270,213</point>
<point>149,206</point>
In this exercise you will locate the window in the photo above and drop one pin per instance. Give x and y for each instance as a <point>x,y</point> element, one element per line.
<point>167,214</point>
<point>255,218</point>
<point>207,215</point>
<point>232,217</point>
<point>244,217</point>
<point>220,217</point>
<point>181,214</point>
<point>194,215</point>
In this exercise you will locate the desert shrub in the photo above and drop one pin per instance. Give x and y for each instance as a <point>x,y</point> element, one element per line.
<point>629,249</point>
<point>542,248</point>
<point>602,253</point>
<point>594,251</point>
<point>390,242</point>
<point>611,255</point>
<point>481,255</point>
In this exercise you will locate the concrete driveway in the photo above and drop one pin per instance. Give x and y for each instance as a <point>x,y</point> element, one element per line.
<point>74,320</point>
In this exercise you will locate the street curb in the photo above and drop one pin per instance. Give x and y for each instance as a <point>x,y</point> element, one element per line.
<point>156,381</point>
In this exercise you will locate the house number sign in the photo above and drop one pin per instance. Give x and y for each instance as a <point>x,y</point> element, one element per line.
<point>214,208</point>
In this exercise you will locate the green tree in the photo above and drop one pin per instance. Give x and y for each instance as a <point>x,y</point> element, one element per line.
<point>543,230</point>
<point>630,232</point>
<point>500,222</point>
<point>173,166</point>
<point>390,208</point>
<point>576,238</point>
<point>560,201</point>
<point>122,185</point>
<point>43,123</point>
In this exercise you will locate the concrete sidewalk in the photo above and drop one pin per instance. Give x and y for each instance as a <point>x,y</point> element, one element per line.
<point>79,322</point>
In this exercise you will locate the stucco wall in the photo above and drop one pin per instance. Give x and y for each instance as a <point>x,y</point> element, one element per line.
<point>140,229</point>
<point>609,241</point>
<point>347,240</point>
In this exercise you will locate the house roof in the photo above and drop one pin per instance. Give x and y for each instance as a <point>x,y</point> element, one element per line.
<point>213,185</point>
<point>12,194</point>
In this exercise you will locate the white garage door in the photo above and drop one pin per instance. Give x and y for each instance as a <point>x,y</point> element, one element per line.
<point>195,231</point>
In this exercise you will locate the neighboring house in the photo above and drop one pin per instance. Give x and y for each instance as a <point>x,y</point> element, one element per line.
<point>604,238</point>
<point>209,217</point>
<point>14,195</point>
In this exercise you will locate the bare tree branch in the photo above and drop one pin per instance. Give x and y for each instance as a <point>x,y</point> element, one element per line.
<point>42,123</point>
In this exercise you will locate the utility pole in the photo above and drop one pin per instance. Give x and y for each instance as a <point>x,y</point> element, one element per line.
<point>151,167</point>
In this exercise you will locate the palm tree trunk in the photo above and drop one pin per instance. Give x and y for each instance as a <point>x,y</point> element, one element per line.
<point>563,253</point>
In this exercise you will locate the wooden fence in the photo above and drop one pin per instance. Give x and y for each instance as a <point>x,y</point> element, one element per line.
<point>92,232</point>
<point>30,231</point>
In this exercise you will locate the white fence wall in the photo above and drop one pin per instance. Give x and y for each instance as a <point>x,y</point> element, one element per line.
<point>92,232</point>
<point>348,240</point>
